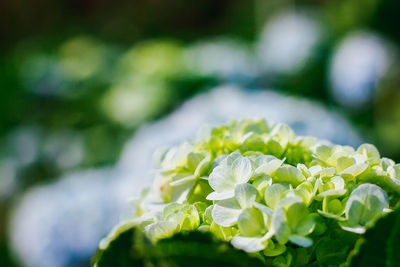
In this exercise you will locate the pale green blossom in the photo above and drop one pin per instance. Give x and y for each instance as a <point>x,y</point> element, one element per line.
<point>259,186</point>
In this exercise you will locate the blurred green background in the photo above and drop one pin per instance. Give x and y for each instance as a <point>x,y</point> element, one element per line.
<point>78,78</point>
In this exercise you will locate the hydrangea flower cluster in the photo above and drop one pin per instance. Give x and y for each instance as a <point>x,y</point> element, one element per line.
<point>264,189</point>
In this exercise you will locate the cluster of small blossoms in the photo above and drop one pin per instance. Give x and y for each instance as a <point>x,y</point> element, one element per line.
<point>264,189</point>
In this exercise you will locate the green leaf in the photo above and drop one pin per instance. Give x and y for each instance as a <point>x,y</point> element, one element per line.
<point>199,250</point>
<point>274,249</point>
<point>122,250</point>
<point>330,251</point>
<point>380,245</point>
<point>161,229</point>
<point>131,248</point>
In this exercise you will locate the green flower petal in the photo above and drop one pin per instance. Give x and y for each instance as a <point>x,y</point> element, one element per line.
<point>386,163</point>
<point>365,203</point>
<point>268,165</point>
<point>355,170</point>
<point>161,229</point>
<point>298,218</point>
<point>331,216</point>
<point>301,240</point>
<point>279,226</point>
<point>370,153</point>
<point>288,174</point>
<point>394,171</point>
<point>343,163</point>
<point>274,193</point>
<point>323,152</point>
<point>283,134</point>
<point>274,249</point>
<point>251,222</point>
<point>246,194</point>
<point>203,166</point>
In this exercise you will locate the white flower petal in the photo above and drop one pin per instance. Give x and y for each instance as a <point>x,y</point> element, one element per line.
<point>355,170</point>
<point>269,167</point>
<point>221,196</point>
<point>226,212</point>
<point>245,194</point>
<point>356,229</point>
<point>161,229</point>
<point>221,179</point>
<point>241,169</point>
<point>301,240</point>
<point>263,208</point>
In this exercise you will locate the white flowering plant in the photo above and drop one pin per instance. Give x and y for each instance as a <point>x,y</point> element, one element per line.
<point>253,193</point>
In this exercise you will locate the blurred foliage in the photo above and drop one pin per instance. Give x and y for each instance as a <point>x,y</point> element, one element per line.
<point>88,92</point>
<point>123,21</point>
